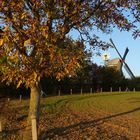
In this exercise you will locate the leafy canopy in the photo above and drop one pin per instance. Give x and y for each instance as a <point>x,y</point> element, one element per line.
<point>34,38</point>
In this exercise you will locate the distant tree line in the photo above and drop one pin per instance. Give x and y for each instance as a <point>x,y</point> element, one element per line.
<point>91,76</point>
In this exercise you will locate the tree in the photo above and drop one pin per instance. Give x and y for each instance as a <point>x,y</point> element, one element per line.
<point>35,43</point>
<point>111,78</point>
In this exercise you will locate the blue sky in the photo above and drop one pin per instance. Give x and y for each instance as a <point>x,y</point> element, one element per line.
<point>121,39</point>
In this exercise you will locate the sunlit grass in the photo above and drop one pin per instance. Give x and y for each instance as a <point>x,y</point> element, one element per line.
<point>107,102</point>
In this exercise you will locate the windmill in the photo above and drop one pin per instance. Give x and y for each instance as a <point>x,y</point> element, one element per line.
<point>118,63</point>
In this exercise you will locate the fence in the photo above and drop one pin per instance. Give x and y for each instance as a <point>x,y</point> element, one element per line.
<point>90,90</point>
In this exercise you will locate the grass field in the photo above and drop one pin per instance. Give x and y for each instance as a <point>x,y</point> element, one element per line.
<point>101,116</point>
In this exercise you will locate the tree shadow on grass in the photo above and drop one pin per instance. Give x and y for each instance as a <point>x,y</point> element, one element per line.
<point>17,133</point>
<point>21,118</point>
<point>60,131</point>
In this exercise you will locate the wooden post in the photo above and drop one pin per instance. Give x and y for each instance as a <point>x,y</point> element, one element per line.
<point>134,89</point>
<point>34,128</point>
<point>0,126</point>
<point>119,89</point>
<point>59,92</point>
<point>20,98</point>
<point>81,91</point>
<point>101,90</point>
<point>71,91</point>
<point>126,89</point>
<point>110,89</point>
<point>91,90</point>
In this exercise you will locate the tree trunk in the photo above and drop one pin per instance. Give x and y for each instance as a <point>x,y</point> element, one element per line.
<point>34,111</point>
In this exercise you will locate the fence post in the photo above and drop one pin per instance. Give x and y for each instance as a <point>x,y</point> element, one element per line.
<point>91,90</point>
<point>71,91</point>
<point>59,92</point>
<point>126,89</point>
<point>81,91</point>
<point>101,90</point>
<point>34,128</point>
<point>110,89</point>
<point>20,98</point>
<point>0,126</point>
<point>119,89</point>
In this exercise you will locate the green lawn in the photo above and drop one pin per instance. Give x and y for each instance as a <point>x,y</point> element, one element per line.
<point>107,102</point>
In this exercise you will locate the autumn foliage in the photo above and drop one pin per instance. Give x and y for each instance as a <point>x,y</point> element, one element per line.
<point>34,39</point>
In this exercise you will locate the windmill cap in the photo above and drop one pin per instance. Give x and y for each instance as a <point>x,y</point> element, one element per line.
<point>105,56</point>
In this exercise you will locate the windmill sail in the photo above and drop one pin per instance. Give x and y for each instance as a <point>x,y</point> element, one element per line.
<point>123,58</point>
<point>126,51</point>
<point>128,70</point>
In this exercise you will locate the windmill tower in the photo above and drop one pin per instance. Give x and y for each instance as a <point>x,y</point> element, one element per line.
<point>118,63</point>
